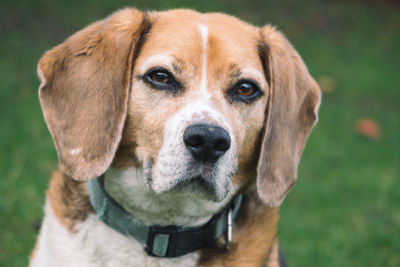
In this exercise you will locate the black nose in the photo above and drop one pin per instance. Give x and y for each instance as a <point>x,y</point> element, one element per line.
<point>206,142</point>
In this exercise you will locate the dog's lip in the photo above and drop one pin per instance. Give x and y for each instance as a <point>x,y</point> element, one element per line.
<point>197,181</point>
<point>197,184</point>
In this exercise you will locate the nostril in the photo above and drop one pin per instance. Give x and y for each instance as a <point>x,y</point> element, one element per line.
<point>196,141</point>
<point>221,145</point>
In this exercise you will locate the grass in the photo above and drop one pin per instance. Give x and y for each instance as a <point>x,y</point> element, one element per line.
<point>344,209</point>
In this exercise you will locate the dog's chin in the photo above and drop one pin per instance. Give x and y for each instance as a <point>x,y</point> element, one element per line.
<point>203,181</point>
<point>197,186</point>
<point>201,187</point>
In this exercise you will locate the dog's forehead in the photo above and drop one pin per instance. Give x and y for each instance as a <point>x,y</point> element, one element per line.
<point>184,36</point>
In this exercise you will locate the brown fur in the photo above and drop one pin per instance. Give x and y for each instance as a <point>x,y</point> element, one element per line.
<point>84,93</point>
<point>254,236</point>
<point>69,200</point>
<point>94,100</point>
<point>292,112</point>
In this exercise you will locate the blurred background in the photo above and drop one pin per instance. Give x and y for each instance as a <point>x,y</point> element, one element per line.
<point>344,210</point>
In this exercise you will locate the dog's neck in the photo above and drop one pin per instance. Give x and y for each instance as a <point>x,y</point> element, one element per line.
<point>72,221</point>
<point>128,187</point>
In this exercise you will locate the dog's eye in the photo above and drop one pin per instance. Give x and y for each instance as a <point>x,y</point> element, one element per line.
<point>245,91</point>
<point>161,79</point>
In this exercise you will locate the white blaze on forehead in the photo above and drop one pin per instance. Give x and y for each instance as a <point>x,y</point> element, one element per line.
<point>204,36</point>
<point>157,60</point>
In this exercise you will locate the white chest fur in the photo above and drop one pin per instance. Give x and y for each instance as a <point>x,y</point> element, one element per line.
<point>94,244</point>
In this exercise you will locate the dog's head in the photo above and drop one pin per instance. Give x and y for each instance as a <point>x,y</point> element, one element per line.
<point>201,102</point>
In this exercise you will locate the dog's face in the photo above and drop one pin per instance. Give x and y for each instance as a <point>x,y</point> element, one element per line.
<point>199,95</point>
<point>201,102</point>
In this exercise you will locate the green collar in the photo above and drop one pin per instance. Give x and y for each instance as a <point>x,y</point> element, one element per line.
<point>162,241</point>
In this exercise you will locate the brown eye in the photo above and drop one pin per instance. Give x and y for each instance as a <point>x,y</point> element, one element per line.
<point>246,89</point>
<point>159,77</point>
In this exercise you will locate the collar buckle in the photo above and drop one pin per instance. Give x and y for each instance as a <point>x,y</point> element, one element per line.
<point>161,241</point>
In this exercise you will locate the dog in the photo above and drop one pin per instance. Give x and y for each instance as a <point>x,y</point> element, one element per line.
<point>178,136</point>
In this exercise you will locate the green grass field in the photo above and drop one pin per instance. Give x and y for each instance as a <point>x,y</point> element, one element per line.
<point>344,210</point>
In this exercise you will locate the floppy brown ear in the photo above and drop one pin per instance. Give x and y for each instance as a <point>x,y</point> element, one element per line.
<point>291,114</point>
<point>85,88</point>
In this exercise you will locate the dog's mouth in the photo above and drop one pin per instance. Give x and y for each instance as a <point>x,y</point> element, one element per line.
<point>198,185</point>
<point>199,179</point>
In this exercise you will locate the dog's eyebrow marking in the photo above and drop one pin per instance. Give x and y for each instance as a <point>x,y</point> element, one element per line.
<point>204,36</point>
<point>178,66</point>
<point>254,74</point>
<point>157,60</point>
<point>236,73</point>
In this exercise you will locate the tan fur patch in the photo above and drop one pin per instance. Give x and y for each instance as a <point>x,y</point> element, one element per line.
<point>85,89</point>
<point>254,236</point>
<point>69,200</point>
<point>291,114</point>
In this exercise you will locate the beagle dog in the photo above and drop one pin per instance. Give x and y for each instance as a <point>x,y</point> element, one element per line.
<point>178,135</point>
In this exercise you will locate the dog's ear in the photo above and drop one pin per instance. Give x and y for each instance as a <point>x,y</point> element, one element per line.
<point>290,115</point>
<point>85,88</point>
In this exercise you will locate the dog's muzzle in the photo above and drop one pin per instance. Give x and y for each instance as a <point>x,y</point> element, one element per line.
<point>197,158</point>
